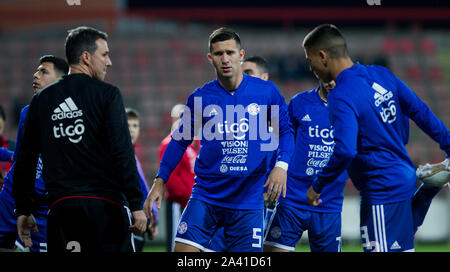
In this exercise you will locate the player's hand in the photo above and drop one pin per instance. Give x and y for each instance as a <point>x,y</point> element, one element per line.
<point>152,229</point>
<point>268,203</point>
<point>313,197</point>
<point>139,222</point>
<point>276,183</point>
<point>155,194</point>
<point>24,226</point>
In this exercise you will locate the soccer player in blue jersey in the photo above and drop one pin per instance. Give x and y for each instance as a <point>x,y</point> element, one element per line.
<point>50,69</point>
<point>370,110</point>
<point>229,114</point>
<point>253,66</point>
<point>308,112</point>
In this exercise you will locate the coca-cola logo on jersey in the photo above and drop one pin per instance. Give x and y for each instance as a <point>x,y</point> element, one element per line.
<point>241,159</point>
<point>317,163</point>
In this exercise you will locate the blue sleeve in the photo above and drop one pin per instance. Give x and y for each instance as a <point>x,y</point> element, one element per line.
<point>422,115</point>
<point>181,139</point>
<point>285,130</point>
<point>23,116</point>
<point>343,117</point>
<point>5,154</point>
<point>26,158</point>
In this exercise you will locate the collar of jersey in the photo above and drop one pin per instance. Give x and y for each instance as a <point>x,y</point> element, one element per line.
<point>240,88</point>
<point>348,70</point>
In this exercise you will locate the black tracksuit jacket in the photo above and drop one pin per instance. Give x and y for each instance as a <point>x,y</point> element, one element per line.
<point>78,125</point>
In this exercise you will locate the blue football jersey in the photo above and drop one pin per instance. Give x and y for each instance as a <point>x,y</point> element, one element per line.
<point>8,182</point>
<point>314,145</point>
<point>235,141</point>
<point>5,154</point>
<point>370,110</point>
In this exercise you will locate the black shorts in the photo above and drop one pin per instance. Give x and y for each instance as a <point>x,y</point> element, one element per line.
<point>89,225</point>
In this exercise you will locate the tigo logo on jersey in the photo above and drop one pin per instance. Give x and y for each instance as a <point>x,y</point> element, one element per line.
<point>325,134</point>
<point>68,110</point>
<point>213,112</point>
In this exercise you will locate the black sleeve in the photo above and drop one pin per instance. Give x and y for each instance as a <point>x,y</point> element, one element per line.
<point>27,158</point>
<point>122,152</point>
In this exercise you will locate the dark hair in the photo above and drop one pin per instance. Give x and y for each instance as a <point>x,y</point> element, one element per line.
<point>326,37</point>
<point>260,62</point>
<point>82,39</point>
<point>223,34</point>
<point>60,65</point>
<point>131,113</point>
<point>2,113</point>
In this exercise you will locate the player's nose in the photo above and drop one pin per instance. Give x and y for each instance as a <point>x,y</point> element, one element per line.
<point>108,62</point>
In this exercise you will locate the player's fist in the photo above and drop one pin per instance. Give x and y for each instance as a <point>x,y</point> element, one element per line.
<point>139,222</point>
<point>313,197</point>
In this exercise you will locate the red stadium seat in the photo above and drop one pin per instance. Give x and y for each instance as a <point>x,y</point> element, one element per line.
<point>427,46</point>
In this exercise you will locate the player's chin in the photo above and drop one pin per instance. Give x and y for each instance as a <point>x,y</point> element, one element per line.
<point>224,74</point>
<point>100,76</point>
<point>323,76</point>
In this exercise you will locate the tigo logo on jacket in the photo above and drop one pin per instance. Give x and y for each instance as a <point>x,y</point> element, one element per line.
<point>68,110</point>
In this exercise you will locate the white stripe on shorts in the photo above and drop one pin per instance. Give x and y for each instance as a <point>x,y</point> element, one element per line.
<point>131,223</point>
<point>288,248</point>
<point>383,225</point>
<point>194,244</point>
<point>270,221</point>
<point>379,228</point>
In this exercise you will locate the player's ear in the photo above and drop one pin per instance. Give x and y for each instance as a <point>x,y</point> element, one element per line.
<point>265,76</point>
<point>323,55</point>
<point>85,58</point>
<point>241,54</point>
<point>209,58</point>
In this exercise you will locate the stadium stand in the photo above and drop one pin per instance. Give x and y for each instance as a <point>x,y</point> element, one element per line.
<point>155,73</point>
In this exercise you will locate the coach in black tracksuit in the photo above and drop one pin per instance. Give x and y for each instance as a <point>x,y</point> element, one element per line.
<point>78,125</point>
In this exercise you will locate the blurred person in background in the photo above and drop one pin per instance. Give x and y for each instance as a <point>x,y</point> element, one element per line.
<point>152,228</point>
<point>79,126</point>
<point>256,66</point>
<point>179,186</point>
<point>50,70</point>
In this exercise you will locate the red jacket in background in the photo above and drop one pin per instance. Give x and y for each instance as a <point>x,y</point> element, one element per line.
<point>179,186</point>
